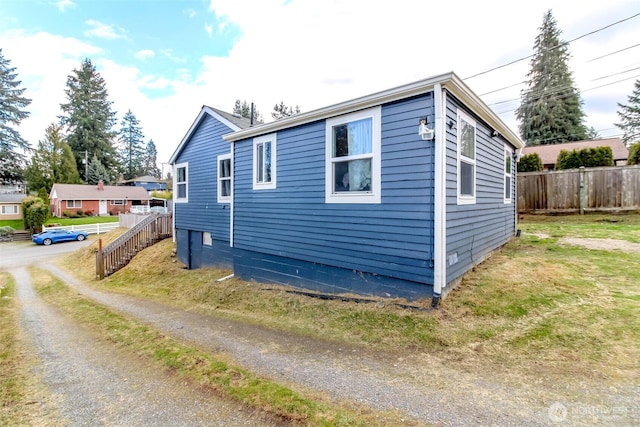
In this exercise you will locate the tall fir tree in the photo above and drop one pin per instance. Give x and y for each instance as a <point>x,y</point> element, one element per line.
<point>97,172</point>
<point>243,109</point>
<point>551,107</point>
<point>52,162</point>
<point>630,117</point>
<point>89,119</point>
<point>131,150</point>
<point>150,164</point>
<point>281,110</point>
<point>12,111</point>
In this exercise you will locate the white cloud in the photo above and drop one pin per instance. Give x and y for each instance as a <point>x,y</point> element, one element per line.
<point>145,54</point>
<point>101,30</point>
<point>208,29</point>
<point>62,5</point>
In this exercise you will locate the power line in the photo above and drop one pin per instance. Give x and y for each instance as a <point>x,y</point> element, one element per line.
<point>613,53</point>
<point>555,47</point>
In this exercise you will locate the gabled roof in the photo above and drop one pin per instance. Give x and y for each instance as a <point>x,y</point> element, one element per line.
<point>91,192</point>
<point>549,153</point>
<point>12,198</point>
<point>232,121</point>
<point>449,81</point>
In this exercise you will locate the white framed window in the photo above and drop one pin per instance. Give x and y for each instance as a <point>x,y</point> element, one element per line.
<point>117,202</point>
<point>466,128</point>
<point>224,178</point>
<point>264,162</point>
<point>181,184</point>
<point>508,165</point>
<point>206,239</point>
<point>353,166</point>
<point>9,210</point>
<point>74,203</point>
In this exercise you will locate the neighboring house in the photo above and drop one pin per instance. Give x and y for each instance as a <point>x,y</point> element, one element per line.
<point>13,188</point>
<point>11,206</point>
<point>393,194</point>
<point>549,153</point>
<point>95,199</point>
<point>147,182</point>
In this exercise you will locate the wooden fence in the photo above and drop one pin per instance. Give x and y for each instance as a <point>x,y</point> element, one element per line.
<point>604,189</point>
<point>118,253</point>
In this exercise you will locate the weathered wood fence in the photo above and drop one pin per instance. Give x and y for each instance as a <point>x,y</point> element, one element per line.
<point>118,253</point>
<point>605,189</point>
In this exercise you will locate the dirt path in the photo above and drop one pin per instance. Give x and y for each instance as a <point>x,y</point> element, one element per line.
<point>93,384</point>
<point>419,385</point>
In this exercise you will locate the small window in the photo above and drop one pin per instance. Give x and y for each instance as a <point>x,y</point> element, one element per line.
<point>9,210</point>
<point>181,184</point>
<point>264,162</point>
<point>224,178</point>
<point>466,159</point>
<point>508,164</point>
<point>353,158</point>
<point>74,204</point>
<point>117,202</point>
<point>206,239</point>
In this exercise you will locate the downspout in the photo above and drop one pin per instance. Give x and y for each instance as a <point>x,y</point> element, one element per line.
<point>233,194</point>
<point>173,196</point>
<point>440,196</point>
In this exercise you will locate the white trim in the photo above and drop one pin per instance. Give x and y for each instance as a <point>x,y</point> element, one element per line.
<point>373,196</point>
<point>464,199</point>
<point>74,204</point>
<point>232,203</point>
<point>177,166</point>
<point>207,240</point>
<point>257,142</point>
<point>449,81</point>
<point>508,153</point>
<point>223,199</point>
<point>440,192</point>
<point>3,209</point>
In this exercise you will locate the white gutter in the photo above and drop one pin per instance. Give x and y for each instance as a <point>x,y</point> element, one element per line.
<point>233,195</point>
<point>440,195</point>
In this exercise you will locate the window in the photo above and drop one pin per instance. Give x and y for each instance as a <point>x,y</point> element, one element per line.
<point>181,183</point>
<point>117,202</point>
<point>508,161</point>
<point>224,178</point>
<point>466,159</point>
<point>353,158</point>
<point>9,210</point>
<point>206,239</point>
<point>264,162</point>
<point>74,203</point>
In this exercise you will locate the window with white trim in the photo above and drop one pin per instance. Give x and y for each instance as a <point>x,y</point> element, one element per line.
<point>264,162</point>
<point>353,166</point>
<point>508,165</point>
<point>9,210</point>
<point>117,202</point>
<point>466,128</point>
<point>181,184</point>
<point>224,178</point>
<point>206,239</point>
<point>74,204</point>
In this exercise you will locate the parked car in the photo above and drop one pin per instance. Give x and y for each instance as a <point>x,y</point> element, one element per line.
<point>55,236</point>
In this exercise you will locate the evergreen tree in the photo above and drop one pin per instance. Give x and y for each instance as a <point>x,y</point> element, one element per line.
<point>88,118</point>
<point>52,162</point>
<point>530,163</point>
<point>150,164</point>
<point>630,117</point>
<point>12,111</point>
<point>634,154</point>
<point>97,172</point>
<point>281,111</point>
<point>243,109</point>
<point>551,107</point>
<point>131,146</point>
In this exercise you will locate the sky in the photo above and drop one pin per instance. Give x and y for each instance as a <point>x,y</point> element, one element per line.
<point>165,59</point>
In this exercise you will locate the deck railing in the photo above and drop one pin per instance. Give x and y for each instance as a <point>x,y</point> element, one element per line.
<point>118,253</point>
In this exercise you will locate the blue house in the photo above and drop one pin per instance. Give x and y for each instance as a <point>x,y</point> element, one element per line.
<point>394,194</point>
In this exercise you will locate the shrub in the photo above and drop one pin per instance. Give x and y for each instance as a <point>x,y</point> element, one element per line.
<point>67,213</point>
<point>79,212</point>
<point>6,231</point>
<point>634,154</point>
<point>530,163</point>
<point>587,157</point>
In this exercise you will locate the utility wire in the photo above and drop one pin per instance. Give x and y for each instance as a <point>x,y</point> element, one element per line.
<point>555,47</point>
<point>613,53</point>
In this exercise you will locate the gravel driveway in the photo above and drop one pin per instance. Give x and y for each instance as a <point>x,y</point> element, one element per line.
<point>419,385</point>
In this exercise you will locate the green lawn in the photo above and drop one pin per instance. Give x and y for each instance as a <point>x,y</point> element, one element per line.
<point>16,224</point>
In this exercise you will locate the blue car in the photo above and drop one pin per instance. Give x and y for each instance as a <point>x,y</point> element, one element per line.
<point>55,236</point>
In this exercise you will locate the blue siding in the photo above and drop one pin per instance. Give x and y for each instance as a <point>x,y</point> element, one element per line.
<point>473,231</point>
<point>393,239</point>
<point>203,212</point>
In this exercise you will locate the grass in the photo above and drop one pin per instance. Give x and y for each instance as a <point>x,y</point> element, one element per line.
<point>538,304</point>
<point>209,371</point>
<point>11,374</point>
<point>17,224</point>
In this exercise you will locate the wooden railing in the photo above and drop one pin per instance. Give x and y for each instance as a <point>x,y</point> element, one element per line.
<point>118,253</point>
